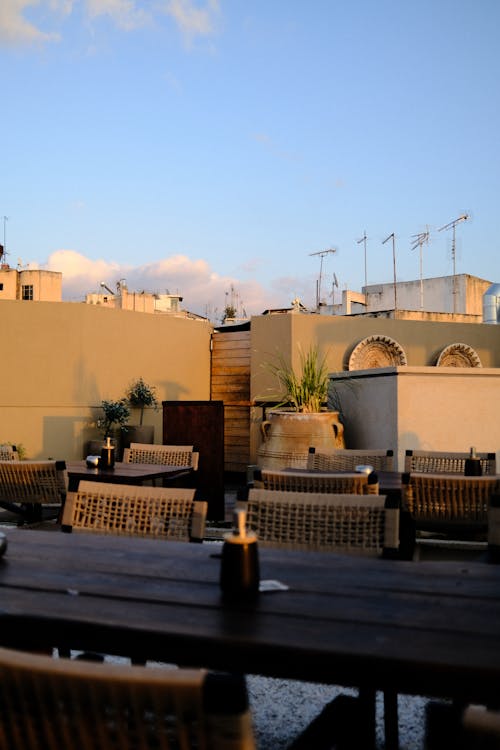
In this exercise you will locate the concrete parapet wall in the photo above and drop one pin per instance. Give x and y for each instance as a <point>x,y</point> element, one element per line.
<point>424,408</point>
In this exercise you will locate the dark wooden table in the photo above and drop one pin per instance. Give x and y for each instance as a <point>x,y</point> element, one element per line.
<point>418,628</point>
<point>122,473</point>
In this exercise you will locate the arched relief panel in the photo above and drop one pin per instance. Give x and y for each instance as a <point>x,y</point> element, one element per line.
<point>458,355</point>
<point>377,351</point>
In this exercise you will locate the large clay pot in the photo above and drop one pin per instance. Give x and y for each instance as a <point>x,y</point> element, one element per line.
<point>287,437</point>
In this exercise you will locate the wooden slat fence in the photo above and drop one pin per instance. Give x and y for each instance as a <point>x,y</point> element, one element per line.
<point>230,383</point>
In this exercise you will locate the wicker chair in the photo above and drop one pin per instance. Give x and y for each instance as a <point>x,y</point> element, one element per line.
<point>443,462</point>
<point>8,453</point>
<point>315,481</point>
<point>347,523</point>
<point>171,455</point>
<point>27,485</point>
<point>161,513</point>
<point>62,703</point>
<point>362,524</point>
<point>346,459</point>
<point>449,502</point>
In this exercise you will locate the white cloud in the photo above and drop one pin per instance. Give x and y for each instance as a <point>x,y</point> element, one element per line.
<point>124,13</point>
<point>192,20</point>
<point>203,290</point>
<point>16,29</point>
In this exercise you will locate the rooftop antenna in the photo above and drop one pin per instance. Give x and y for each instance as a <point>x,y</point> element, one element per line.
<point>5,220</point>
<point>363,240</point>
<point>452,225</point>
<point>420,239</point>
<point>335,283</point>
<point>322,254</point>
<point>393,237</point>
<point>103,284</point>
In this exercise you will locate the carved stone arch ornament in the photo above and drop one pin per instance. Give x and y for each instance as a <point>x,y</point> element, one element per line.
<point>458,355</point>
<point>377,351</point>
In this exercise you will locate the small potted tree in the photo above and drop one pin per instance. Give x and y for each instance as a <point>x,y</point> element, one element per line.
<point>140,396</point>
<point>112,424</point>
<point>116,416</point>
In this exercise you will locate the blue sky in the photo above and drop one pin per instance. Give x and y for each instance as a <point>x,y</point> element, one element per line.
<point>194,146</point>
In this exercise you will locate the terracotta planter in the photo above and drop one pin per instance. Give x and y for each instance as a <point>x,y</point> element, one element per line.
<point>285,433</point>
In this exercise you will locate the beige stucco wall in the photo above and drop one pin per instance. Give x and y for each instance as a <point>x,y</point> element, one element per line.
<point>425,408</point>
<point>337,336</point>
<point>60,360</point>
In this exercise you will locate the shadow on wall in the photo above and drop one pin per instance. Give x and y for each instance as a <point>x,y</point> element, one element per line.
<point>64,438</point>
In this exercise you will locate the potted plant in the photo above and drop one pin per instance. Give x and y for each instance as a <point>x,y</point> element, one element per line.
<point>306,391</point>
<point>301,418</point>
<point>140,396</point>
<point>116,416</point>
<point>113,422</point>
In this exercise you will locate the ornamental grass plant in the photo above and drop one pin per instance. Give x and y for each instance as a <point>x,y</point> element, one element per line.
<point>307,390</point>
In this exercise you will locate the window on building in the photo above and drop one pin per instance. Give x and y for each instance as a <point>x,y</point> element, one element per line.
<point>27,291</point>
<point>1,287</point>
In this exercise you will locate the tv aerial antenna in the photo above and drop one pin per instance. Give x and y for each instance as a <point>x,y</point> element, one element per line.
<point>421,239</point>
<point>452,225</point>
<point>363,240</point>
<point>322,254</point>
<point>3,251</point>
<point>393,237</point>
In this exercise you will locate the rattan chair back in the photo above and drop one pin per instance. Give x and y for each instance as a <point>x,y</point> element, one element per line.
<point>346,459</point>
<point>62,703</point>
<point>361,524</point>
<point>444,462</point>
<point>8,453</point>
<point>449,498</point>
<point>169,513</point>
<point>315,481</point>
<point>167,455</point>
<point>37,482</point>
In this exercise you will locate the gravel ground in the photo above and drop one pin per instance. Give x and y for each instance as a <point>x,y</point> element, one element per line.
<point>283,708</point>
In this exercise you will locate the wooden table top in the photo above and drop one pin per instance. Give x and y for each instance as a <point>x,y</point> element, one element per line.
<point>121,473</point>
<point>418,627</point>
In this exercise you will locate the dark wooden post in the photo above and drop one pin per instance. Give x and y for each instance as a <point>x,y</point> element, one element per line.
<point>200,424</point>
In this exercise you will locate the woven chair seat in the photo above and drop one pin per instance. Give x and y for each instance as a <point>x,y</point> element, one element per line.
<point>61,703</point>
<point>450,498</point>
<point>443,462</point>
<point>315,481</point>
<point>158,512</point>
<point>167,455</point>
<point>33,481</point>
<point>361,524</point>
<point>346,459</point>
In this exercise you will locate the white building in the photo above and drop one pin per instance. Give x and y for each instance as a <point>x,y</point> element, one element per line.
<point>456,295</point>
